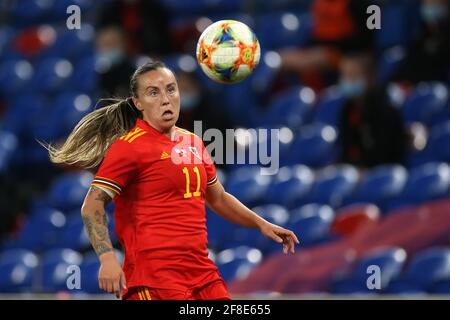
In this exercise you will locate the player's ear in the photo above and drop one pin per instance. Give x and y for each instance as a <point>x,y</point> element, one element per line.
<point>137,103</point>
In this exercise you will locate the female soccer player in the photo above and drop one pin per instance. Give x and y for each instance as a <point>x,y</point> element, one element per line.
<point>160,177</point>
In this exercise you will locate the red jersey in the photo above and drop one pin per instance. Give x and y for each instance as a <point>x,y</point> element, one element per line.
<point>160,216</point>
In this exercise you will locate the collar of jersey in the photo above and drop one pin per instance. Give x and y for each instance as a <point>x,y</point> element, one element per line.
<point>144,125</point>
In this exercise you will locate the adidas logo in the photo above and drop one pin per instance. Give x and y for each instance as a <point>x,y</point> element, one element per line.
<point>165,155</point>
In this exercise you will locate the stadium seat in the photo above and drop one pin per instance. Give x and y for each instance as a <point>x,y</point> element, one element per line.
<point>68,109</point>
<point>333,184</point>
<point>15,76</point>
<point>399,22</point>
<point>329,106</point>
<point>278,30</point>
<point>389,62</point>
<point>27,13</point>
<point>290,186</point>
<point>426,101</point>
<point>8,146</point>
<point>380,185</point>
<point>311,223</point>
<point>89,269</point>
<point>17,268</point>
<point>67,191</point>
<point>314,146</point>
<point>291,108</point>
<point>429,267</point>
<point>43,229</point>
<point>428,182</point>
<point>52,75</point>
<point>352,218</point>
<point>21,112</point>
<point>236,263</point>
<point>438,142</point>
<point>220,231</point>
<point>84,77</point>
<point>248,185</point>
<point>441,288</point>
<point>55,264</point>
<point>390,260</point>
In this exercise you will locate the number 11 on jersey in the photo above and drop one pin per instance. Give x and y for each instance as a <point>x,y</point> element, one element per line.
<point>197,192</point>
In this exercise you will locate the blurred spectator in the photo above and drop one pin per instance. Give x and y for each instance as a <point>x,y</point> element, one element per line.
<point>112,62</point>
<point>339,26</point>
<point>197,105</point>
<point>428,58</point>
<point>372,131</point>
<point>145,24</point>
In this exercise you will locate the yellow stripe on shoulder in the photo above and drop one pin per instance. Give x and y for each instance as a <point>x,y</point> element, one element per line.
<point>133,134</point>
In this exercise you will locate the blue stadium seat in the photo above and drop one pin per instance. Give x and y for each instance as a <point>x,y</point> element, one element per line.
<point>236,263</point>
<point>21,113</point>
<point>441,288</point>
<point>84,77</point>
<point>8,146</point>
<point>248,185</point>
<point>27,13</point>
<point>311,223</point>
<point>15,76</point>
<point>290,186</point>
<point>67,191</point>
<point>389,62</point>
<point>89,269</point>
<point>333,184</point>
<point>290,108</point>
<point>220,231</point>
<point>52,75</point>
<point>429,267</point>
<point>17,268</point>
<point>55,264</point>
<point>425,102</point>
<point>72,44</point>
<point>438,142</point>
<point>329,106</point>
<point>68,109</point>
<point>380,185</point>
<point>315,145</point>
<point>390,260</point>
<point>43,229</point>
<point>428,182</point>
<point>278,30</point>
<point>399,22</point>
<point>404,288</point>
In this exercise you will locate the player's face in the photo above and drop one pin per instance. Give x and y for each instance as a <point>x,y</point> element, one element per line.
<point>158,98</point>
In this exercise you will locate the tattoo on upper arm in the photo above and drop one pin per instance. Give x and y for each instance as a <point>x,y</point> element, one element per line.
<point>97,229</point>
<point>100,195</point>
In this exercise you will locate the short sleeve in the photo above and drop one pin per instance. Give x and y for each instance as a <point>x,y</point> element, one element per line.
<point>117,169</point>
<point>209,167</point>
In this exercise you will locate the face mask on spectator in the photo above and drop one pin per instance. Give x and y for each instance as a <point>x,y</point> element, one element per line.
<point>111,57</point>
<point>352,88</point>
<point>433,13</point>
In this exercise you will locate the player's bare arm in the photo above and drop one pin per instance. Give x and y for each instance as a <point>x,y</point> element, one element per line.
<point>230,208</point>
<point>95,221</point>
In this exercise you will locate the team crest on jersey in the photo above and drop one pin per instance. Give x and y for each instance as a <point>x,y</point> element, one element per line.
<point>195,152</point>
<point>181,152</point>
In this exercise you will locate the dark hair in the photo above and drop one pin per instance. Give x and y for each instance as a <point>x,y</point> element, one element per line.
<point>87,143</point>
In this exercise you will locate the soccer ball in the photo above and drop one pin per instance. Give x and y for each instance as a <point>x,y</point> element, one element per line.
<point>228,51</point>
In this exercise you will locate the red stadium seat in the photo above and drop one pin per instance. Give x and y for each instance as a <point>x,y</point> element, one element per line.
<point>351,219</point>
